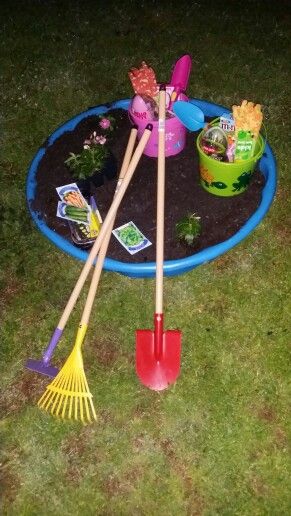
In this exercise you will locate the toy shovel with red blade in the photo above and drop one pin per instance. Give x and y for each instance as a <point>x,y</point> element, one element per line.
<point>158,352</point>
<point>180,76</point>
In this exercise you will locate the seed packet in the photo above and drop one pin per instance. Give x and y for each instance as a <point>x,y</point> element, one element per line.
<point>84,235</point>
<point>244,146</point>
<point>71,195</point>
<point>84,220</point>
<point>131,238</point>
<point>95,220</point>
<point>74,213</point>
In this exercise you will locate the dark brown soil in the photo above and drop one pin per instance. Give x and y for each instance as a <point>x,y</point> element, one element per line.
<point>221,217</point>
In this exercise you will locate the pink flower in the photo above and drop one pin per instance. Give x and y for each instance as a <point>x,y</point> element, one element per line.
<point>105,123</point>
<point>101,140</point>
<point>94,139</point>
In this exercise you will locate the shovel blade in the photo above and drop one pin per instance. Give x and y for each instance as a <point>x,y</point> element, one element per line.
<point>158,373</point>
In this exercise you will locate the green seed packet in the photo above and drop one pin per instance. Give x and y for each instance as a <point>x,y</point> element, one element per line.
<point>244,146</point>
<point>131,238</point>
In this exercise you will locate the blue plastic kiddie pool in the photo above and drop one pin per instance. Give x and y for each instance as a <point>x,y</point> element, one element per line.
<point>267,166</point>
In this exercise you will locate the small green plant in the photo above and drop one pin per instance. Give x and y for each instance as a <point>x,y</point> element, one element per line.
<point>188,228</point>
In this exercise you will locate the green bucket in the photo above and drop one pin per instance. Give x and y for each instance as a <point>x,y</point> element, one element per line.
<point>227,179</point>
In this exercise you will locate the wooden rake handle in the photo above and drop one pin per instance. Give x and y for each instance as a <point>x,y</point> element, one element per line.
<point>110,216</point>
<point>160,202</point>
<point>94,251</point>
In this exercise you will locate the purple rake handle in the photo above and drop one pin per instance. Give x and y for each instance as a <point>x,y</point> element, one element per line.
<point>51,346</point>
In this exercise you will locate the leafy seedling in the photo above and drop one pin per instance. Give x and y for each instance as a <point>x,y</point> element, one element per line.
<point>188,229</point>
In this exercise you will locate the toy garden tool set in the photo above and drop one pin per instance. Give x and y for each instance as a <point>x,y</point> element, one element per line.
<point>228,149</point>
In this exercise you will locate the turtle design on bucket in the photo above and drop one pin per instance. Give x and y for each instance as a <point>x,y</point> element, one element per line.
<point>242,181</point>
<point>207,177</point>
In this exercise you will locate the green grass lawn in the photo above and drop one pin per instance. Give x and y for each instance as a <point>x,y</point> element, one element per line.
<point>217,442</point>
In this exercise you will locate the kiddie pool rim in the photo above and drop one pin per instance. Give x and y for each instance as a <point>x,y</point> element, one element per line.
<point>267,166</point>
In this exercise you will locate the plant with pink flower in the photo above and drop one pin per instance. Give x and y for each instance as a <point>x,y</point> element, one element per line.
<point>91,159</point>
<point>94,153</point>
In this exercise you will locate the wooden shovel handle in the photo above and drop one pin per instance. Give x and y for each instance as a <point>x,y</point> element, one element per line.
<point>110,216</point>
<point>160,202</point>
<point>94,251</point>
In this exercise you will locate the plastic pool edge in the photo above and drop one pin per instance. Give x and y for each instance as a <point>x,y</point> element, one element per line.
<point>267,166</point>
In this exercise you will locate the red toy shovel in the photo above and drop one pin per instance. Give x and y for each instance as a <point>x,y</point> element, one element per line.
<point>158,352</point>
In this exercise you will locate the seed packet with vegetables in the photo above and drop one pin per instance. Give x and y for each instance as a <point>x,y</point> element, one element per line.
<point>72,195</point>
<point>75,213</point>
<point>131,238</point>
<point>83,235</point>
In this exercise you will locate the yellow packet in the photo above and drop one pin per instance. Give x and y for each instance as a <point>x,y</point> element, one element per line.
<point>95,219</point>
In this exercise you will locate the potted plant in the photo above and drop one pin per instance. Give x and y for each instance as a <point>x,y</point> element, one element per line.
<point>95,162</point>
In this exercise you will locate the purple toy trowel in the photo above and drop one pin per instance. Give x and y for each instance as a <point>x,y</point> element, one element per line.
<point>180,76</point>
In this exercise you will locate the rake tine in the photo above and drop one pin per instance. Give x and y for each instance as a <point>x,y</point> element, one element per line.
<point>76,399</point>
<point>90,399</point>
<point>67,389</point>
<point>56,400</point>
<point>71,401</point>
<point>84,401</point>
<point>80,400</point>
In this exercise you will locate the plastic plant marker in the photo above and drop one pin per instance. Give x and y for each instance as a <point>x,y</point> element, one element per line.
<point>191,116</point>
<point>43,366</point>
<point>158,352</point>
